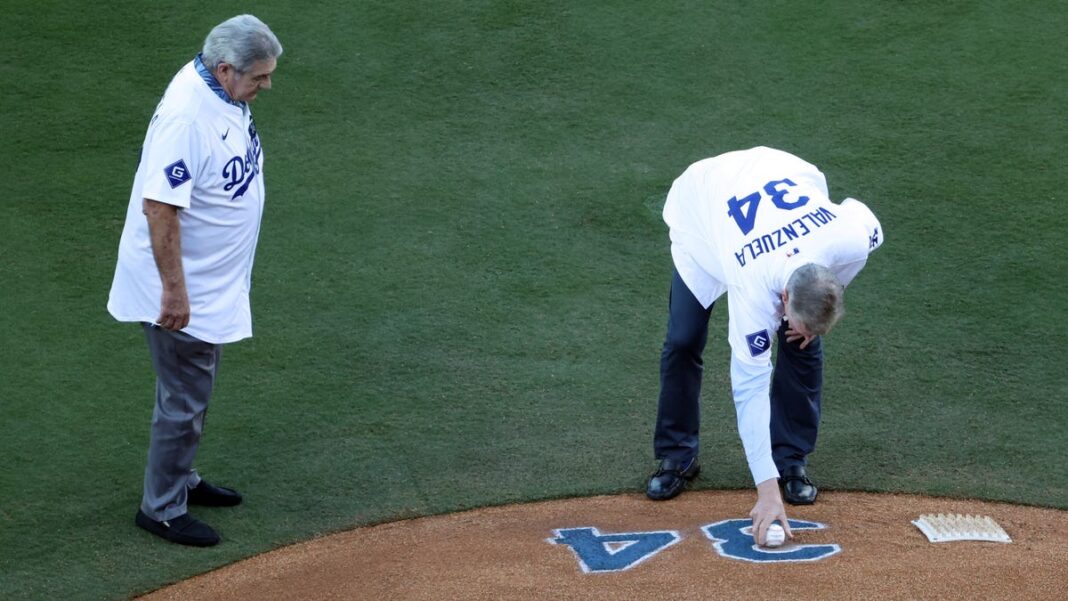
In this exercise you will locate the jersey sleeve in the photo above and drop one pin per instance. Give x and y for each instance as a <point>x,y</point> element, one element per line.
<point>845,273</point>
<point>869,237</point>
<point>750,385</point>
<point>754,317</point>
<point>172,156</point>
<point>752,330</point>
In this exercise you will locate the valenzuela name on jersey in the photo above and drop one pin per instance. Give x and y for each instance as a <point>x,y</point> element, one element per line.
<point>769,242</point>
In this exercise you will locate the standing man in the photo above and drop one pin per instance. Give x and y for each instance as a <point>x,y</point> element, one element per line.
<point>758,225</point>
<point>185,257</point>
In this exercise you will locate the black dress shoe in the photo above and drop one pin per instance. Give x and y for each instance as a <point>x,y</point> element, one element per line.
<point>671,477</point>
<point>184,530</point>
<point>797,489</point>
<point>210,495</point>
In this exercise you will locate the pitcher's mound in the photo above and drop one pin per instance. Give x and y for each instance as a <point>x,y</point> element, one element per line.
<point>846,546</point>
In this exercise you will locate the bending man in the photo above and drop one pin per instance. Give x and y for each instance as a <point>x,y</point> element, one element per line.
<point>758,225</point>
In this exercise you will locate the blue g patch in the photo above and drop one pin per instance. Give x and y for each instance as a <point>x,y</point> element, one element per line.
<point>177,173</point>
<point>759,342</point>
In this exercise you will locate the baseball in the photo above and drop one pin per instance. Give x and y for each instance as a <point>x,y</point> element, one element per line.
<point>775,536</point>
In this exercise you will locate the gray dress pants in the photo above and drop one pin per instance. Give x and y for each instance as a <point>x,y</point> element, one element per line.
<point>185,375</point>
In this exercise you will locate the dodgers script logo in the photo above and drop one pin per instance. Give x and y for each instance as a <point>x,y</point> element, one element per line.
<point>241,170</point>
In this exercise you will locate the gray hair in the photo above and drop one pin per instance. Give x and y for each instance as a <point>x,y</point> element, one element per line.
<point>240,41</point>
<point>816,297</point>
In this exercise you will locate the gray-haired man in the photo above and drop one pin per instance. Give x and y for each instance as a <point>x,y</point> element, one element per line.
<point>758,225</point>
<point>185,258</point>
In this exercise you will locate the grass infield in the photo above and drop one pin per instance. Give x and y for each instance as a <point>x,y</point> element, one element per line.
<point>460,291</point>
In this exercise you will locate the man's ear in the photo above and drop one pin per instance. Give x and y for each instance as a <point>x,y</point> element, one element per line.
<point>223,69</point>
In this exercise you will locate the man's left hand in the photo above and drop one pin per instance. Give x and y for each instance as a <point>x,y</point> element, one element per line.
<point>793,335</point>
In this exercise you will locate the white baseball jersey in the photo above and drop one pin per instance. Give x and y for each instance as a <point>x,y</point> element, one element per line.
<point>742,223</point>
<point>203,155</point>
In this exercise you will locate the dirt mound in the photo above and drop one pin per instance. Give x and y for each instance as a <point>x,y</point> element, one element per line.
<point>846,546</point>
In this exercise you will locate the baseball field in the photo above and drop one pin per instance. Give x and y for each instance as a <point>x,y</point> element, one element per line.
<point>461,282</point>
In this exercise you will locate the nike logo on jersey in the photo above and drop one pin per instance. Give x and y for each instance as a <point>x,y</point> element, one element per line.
<point>226,134</point>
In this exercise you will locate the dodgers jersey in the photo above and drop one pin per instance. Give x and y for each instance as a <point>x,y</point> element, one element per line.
<point>741,223</point>
<point>202,154</point>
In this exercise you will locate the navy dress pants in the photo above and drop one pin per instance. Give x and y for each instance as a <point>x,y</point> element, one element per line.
<point>795,387</point>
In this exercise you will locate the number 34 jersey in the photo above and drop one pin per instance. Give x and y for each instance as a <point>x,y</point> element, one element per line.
<point>743,221</point>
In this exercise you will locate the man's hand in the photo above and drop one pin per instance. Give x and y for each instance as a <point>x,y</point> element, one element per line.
<point>793,335</point>
<point>768,509</point>
<point>166,235</point>
<point>173,310</point>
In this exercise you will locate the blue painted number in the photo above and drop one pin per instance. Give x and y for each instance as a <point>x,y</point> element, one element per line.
<point>598,552</point>
<point>734,539</point>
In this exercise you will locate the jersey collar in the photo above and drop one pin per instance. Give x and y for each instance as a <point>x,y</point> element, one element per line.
<point>213,83</point>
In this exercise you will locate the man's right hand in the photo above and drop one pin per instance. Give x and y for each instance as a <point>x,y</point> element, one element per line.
<point>768,509</point>
<point>165,231</point>
<point>174,310</point>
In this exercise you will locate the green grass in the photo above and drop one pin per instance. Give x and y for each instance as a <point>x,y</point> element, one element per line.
<point>461,283</point>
